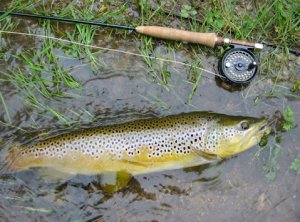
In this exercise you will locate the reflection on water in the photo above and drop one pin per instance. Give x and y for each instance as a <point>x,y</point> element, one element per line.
<point>81,196</point>
<point>121,89</point>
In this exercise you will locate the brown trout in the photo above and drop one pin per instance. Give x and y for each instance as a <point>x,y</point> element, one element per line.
<point>143,146</point>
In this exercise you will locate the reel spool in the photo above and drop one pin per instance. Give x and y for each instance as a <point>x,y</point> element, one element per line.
<point>238,65</point>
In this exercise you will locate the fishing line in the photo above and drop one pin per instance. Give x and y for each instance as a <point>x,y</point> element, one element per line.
<point>112,50</point>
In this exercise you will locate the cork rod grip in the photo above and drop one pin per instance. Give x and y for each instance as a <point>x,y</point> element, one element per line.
<point>208,39</point>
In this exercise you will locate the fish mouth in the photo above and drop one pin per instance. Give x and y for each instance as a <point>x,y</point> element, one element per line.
<point>263,127</point>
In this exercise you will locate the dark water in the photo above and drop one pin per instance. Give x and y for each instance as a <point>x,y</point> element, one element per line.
<point>123,89</point>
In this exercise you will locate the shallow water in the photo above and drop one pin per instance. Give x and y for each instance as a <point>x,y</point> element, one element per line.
<point>121,90</point>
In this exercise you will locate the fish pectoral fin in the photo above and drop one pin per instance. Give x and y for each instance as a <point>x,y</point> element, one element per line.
<point>206,155</point>
<point>112,182</point>
<point>137,162</point>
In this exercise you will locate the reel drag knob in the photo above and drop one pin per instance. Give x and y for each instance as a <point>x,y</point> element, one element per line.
<point>238,65</point>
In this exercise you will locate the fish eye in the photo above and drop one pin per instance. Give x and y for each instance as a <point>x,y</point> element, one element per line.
<point>244,125</point>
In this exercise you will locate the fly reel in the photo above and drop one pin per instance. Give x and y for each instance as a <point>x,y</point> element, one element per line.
<point>238,65</point>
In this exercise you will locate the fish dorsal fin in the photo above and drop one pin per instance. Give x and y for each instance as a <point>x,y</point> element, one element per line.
<point>112,182</point>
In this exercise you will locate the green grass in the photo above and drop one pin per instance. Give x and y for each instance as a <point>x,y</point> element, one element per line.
<point>276,21</point>
<point>36,210</point>
<point>45,72</point>
<point>157,69</point>
<point>82,33</point>
<point>5,108</point>
<point>295,165</point>
<point>196,78</point>
<point>41,76</point>
<point>272,166</point>
<point>289,119</point>
<point>296,87</point>
<point>188,11</point>
<point>30,91</point>
<point>271,146</point>
<point>273,150</point>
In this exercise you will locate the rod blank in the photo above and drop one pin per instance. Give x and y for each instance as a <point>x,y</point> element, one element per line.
<point>60,19</point>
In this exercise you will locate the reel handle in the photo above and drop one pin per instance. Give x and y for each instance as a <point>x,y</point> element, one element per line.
<point>207,39</point>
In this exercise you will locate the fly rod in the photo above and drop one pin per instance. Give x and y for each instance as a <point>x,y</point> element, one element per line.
<point>238,65</point>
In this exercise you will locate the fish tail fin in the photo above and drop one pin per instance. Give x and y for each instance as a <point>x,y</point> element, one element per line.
<point>13,159</point>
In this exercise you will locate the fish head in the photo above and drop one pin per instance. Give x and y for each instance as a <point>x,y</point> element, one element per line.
<point>231,135</point>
